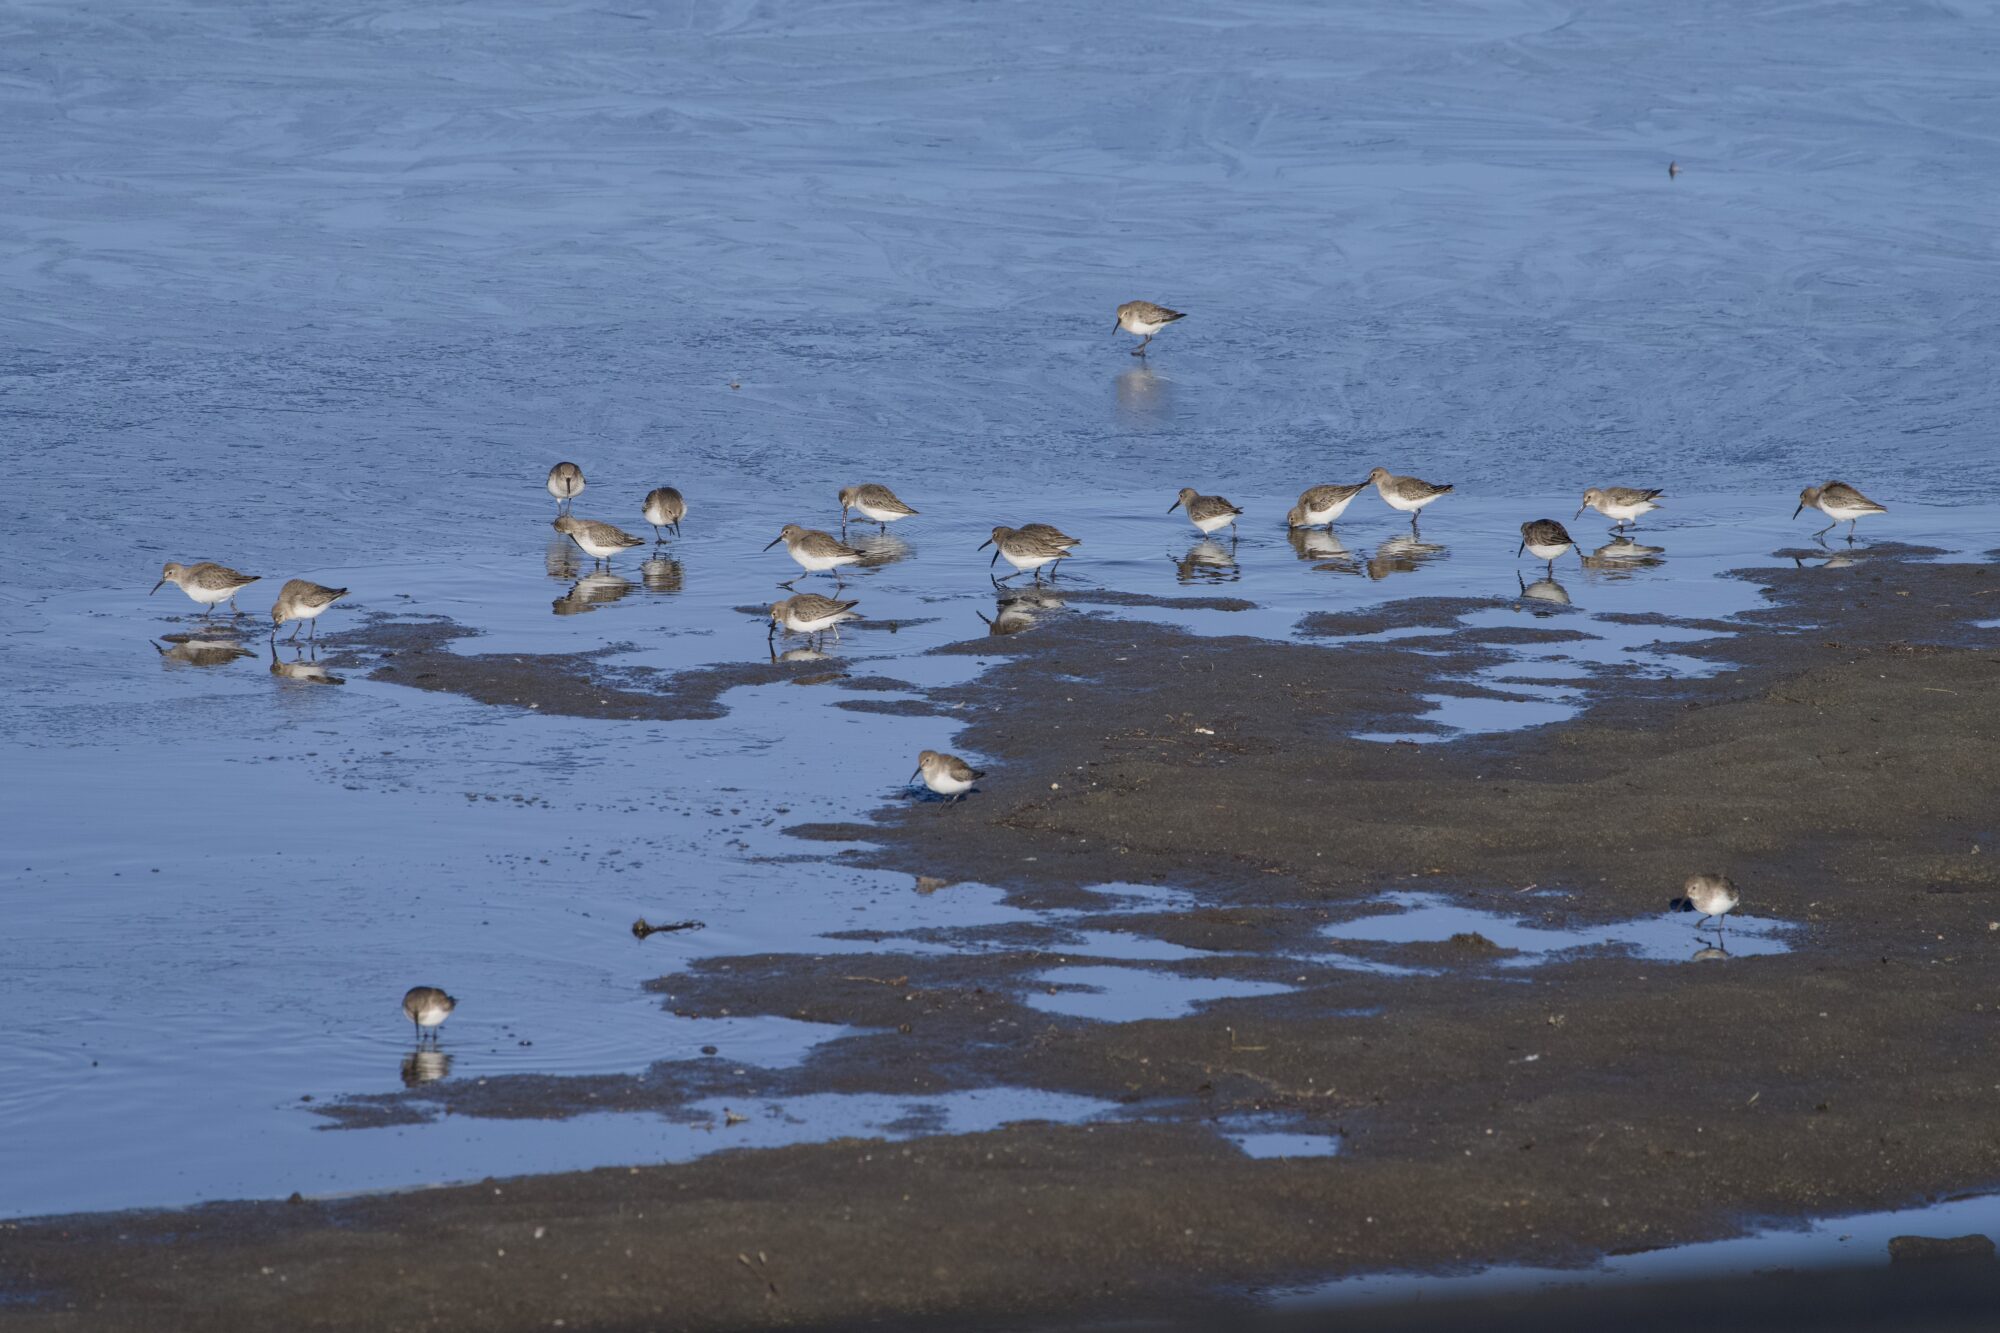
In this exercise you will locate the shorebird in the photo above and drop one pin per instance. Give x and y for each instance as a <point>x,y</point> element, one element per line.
<point>946,774</point>
<point>1319,506</point>
<point>665,508</point>
<point>1023,550</point>
<point>208,583</point>
<point>1049,532</point>
<point>877,504</point>
<point>810,613</point>
<point>815,551</point>
<point>1673,169</point>
<point>599,541</point>
<point>1839,502</point>
<point>1711,895</point>
<point>1408,494</point>
<point>1207,512</point>
<point>1546,539</point>
<point>428,1007</point>
<point>565,483</point>
<point>1146,319</point>
<point>302,600</point>
<point>1621,504</point>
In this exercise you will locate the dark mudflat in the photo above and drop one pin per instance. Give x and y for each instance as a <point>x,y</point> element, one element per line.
<point>1846,773</point>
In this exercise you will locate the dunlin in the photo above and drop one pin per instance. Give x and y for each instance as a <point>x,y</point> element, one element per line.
<point>1839,502</point>
<point>1146,319</point>
<point>946,774</point>
<point>815,551</point>
<point>665,508</point>
<point>1407,494</point>
<point>1319,506</point>
<point>1024,551</point>
<point>565,483</point>
<point>810,613</point>
<point>1673,170</point>
<point>1207,512</point>
<point>1049,532</point>
<point>1621,504</point>
<point>877,504</point>
<point>208,583</point>
<point>1545,539</point>
<point>599,541</point>
<point>427,1007</point>
<point>1711,895</point>
<point>303,601</point>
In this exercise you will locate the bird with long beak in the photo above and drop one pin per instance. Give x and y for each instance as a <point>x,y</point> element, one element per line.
<point>1145,319</point>
<point>1839,502</point>
<point>1546,539</point>
<point>815,551</point>
<point>208,583</point>
<point>946,774</point>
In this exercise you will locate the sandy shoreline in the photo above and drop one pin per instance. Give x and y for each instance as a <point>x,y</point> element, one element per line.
<point>1844,773</point>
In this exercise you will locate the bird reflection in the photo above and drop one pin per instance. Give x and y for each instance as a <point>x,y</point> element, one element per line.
<point>562,560</point>
<point>1208,561</point>
<point>1321,546</point>
<point>1015,610</point>
<point>592,591</point>
<point>1404,553</point>
<point>426,1064</point>
<point>1544,595</point>
<point>1621,557</point>
<point>1831,560</point>
<point>1141,393</point>
<point>1710,950</point>
<point>184,651</point>
<point>661,574</point>
<point>880,549</point>
<point>799,654</point>
<point>303,669</point>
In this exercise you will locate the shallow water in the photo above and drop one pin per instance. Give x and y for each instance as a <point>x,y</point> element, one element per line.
<point>1837,1242</point>
<point>339,327</point>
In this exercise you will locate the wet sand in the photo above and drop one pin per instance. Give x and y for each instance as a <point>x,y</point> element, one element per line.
<point>1844,773</point>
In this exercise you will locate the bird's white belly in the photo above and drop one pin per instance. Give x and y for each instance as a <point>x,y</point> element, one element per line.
<point>875,515</point>
<point>1844,513</point>
<point>657,515</point>
<point>432,1016</point>
<point>945,785</point>
<point>591,548</point>
<point>815,564</point>
<point>1024,563</point>
<point>1406,504</point>
<point>211,596</point>
<point>1315,517</point>
<point>1141,327</point>
<point>298,612</point>
<point>1547,550</point>
<point>1625,513</point>
<point>797,626</point>
<point>1214,521</point>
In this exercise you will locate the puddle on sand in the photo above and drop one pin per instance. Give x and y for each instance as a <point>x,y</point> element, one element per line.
<point>1132,994</point>
<point>1424,918</point>
<point>1263,1135</point>
<point>1840,1242</point>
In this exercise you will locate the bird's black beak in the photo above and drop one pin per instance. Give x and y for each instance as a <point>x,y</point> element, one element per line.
<point>1800,510</point>
<point>913,775</point>
<point>1172,507</point>
<point>983,545</point>
<point>163,583</point>
<point>774,541</point>
<point>1578,514</point>
<point>995,560</point>
<point>1114,326</point>
<point>1522,547</point>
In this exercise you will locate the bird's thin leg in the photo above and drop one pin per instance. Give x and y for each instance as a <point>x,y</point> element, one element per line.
<point>1851,526</point>
<point>295,631</point>
<point>1828,528</point>
<point>1140,350</point>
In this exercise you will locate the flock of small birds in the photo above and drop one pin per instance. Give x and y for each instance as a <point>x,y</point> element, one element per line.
<point>1030,549</point>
